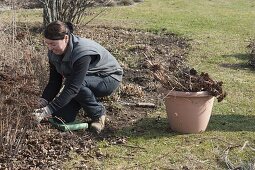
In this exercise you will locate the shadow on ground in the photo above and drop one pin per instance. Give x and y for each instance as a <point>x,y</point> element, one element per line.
<point>149,128</point>
<point>232,123</point>
<point>155,128</point>
<point>245,65</point>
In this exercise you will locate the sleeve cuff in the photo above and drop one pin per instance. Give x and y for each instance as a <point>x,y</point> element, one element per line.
<point>48,110</point>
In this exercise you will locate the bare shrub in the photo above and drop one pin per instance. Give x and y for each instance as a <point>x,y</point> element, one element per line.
<point>125,2</point>
<point>19,86</point>
<point>68,10</point>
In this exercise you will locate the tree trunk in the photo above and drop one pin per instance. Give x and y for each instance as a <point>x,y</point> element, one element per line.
<point>51,11</point>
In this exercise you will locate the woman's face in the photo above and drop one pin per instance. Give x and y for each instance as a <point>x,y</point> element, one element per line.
<point>58,47</point>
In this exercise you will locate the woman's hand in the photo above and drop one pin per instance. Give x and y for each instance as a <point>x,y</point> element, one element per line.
<point>40,114</point>
<point>42,102</point>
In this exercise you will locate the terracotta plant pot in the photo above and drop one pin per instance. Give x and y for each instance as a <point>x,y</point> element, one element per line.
<point>188,112</point>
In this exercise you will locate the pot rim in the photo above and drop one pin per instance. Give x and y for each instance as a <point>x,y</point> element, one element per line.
<point>188,94</point>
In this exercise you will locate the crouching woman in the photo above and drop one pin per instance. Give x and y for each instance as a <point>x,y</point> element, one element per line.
<point>87,71</point>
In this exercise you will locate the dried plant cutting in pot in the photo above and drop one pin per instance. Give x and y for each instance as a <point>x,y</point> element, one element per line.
<point>190,98</point>
<point>182,78</point>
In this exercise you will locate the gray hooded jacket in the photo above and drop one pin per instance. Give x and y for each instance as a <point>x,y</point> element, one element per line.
<point>104,64</point>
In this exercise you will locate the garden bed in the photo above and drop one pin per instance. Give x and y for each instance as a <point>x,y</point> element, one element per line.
<point>23,77</point>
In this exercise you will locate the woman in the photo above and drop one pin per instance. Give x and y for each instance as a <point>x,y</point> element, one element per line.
<point>87,71</point>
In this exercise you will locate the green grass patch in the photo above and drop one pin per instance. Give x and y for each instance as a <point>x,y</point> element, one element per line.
<point>24,15</point>
<point>220,31</point>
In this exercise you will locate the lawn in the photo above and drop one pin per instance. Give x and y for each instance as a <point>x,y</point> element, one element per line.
<point>220,31</point>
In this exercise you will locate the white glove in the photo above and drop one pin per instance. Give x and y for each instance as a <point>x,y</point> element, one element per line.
<point>42,102</point>
<point>40,114</point>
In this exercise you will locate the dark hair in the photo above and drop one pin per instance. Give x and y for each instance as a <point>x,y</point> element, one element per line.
<point>57,30</point>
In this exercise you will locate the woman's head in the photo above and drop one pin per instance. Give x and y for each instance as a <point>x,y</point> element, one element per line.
<point>57,36</point>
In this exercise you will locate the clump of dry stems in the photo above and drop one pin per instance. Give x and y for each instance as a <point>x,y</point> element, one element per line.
<point>185,79</point>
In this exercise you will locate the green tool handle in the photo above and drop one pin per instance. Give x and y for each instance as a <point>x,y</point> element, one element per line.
<point>69,126</point>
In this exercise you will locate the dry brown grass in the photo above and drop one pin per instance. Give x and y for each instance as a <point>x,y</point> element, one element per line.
<point>19,62</point>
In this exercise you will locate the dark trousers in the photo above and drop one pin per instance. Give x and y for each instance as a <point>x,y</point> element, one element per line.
<point>92,87</point>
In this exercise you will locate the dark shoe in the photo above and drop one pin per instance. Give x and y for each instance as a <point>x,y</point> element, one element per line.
<point>98,125</point>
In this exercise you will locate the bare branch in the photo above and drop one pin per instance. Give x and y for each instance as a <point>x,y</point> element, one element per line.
<point>68,10</point>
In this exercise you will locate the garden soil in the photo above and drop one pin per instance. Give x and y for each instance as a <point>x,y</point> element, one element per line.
<point>25,145</point>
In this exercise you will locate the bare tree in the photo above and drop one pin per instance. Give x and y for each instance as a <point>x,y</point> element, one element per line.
<point>65,10</point>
